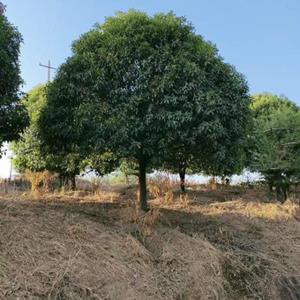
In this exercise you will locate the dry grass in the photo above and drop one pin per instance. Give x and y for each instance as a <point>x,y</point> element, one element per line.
<point>249,209</point>
<point>99,246</point>
<point>49,252</point>
<point>40,181</point>
<point>161,185</point>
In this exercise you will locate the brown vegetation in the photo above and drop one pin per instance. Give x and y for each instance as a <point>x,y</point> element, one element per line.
<point>39,181</point>
<point>223,244</point>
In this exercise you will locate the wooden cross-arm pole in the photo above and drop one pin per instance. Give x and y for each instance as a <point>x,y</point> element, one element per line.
<point>49,69</point>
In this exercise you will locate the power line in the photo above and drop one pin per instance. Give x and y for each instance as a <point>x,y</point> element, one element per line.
<point>281,128</point>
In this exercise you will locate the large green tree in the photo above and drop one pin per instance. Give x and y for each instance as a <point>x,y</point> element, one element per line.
<point>277,141</point>
<point>137,85</point>
<point>12,114</point>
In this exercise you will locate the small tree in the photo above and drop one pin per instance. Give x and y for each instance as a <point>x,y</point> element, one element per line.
<point>13,116</point>
<point>29,155</point>
<point>27,150</point>
<point>277,135</point>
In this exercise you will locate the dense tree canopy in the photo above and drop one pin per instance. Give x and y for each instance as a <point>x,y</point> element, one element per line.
<point>218,145</point>
<point>12,114</point>
<point>266,104</point>
<point>277,135</point>
<point>28,150</point>
<point>139,86</point>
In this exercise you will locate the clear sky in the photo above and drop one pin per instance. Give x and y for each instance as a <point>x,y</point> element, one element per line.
<point>260,37</point>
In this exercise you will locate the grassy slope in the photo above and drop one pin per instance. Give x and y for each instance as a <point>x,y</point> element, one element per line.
<point>77,247</point>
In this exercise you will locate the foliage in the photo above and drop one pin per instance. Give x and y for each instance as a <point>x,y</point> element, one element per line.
<point>264,105</point>
<point>277,135</point>
<point>28,150</point>
<point>216,138</point>
<point>137,85</point>
<point>102,164</point>
<point>128,167</point>
<point>12,114</point>
<point>67,122</point>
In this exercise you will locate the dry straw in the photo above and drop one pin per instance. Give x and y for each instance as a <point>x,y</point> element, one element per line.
<point>85,247</point>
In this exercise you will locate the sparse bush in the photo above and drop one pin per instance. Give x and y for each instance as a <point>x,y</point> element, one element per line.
<point>169,197</point>
<point>47,178</point>
<point>160,185</point>
<point>35,179</point>
<point>212,183</point>
<point>184,200</point>
<point>40,181</point>
<point>154,190</point>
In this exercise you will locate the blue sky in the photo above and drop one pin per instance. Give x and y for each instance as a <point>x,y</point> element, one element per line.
<point>260,37</point>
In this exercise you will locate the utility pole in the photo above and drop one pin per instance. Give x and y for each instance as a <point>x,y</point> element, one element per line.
<point>49,69</point>
<point>2,8</point>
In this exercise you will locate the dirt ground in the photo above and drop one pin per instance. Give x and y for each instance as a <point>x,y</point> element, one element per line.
<point>232,243</point>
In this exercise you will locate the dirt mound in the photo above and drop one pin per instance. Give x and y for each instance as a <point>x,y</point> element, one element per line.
<point>50,252</point>
<point>230,250</point>
<point>189,267</point>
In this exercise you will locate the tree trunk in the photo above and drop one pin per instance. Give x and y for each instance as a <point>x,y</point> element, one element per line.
<point>278,194</point>
<point>73,182</point>
<point>61,181</point>
<point>182,180</point>
<point>143,186</point>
